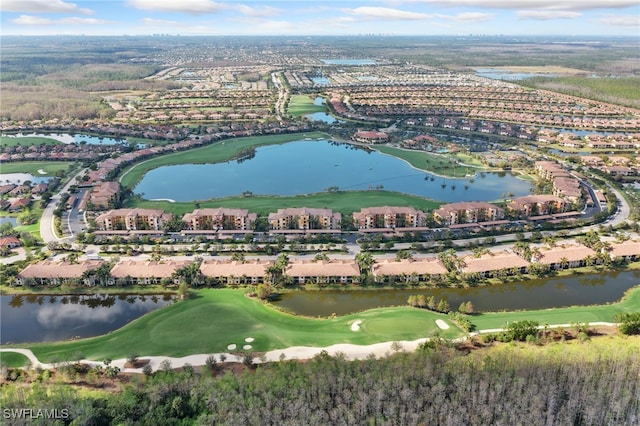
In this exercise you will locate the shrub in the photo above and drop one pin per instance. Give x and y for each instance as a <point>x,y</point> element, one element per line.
<point>629,323</point>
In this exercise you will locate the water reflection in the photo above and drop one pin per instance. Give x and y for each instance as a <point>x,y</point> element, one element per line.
<point>28,318</point>
<point>592,289</point>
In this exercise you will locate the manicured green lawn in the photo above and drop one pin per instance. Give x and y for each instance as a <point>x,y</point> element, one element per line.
<point>343,201</point>
<point>213,319</point>
<point>303,104</point>
<point>32,167</point>
<point>603,313</point>
<point>214,153</point>
<point>436,163</point>
<point>27,141</point>
<point>13,360</point>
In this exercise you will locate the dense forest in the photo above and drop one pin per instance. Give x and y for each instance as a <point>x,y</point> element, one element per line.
<point>438,384</point>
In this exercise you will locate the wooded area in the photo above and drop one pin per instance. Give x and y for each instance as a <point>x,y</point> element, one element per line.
<point>568,384</point>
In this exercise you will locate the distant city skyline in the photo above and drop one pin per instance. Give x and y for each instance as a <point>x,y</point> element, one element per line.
<point>332,17</point>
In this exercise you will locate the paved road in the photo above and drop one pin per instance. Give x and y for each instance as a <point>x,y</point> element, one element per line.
<point>47,231</point>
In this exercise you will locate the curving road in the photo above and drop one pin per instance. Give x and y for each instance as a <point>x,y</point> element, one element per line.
<point>47,224</point>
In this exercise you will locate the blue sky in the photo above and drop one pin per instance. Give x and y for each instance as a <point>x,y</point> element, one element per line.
<point>332,17</point>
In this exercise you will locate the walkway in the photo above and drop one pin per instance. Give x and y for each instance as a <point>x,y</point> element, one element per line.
<point>350,351</point>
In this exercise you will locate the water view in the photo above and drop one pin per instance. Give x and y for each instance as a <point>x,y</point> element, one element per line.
<point>69,138</point>
<point>307,167</point>
<point>349,62</point>
<point>504,74</point>
<point>40,318</point>
<point>18,178</point>
<point>591,289</point>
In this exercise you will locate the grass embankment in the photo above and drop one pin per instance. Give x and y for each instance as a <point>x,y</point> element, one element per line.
<point>213,319</point>
<point>27,141</point>
<point>343,201</point>
<point>32,167</point>
<point>302,105</point>
<point>444,165</point>
<point>214,153</point>
<point>582,314</point>
<point>13,360</point>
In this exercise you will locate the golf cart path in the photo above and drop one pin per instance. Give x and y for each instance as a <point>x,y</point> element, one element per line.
<point>350,351</point>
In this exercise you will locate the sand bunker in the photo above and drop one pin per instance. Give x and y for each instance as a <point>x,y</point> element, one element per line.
<point>249,339</point>
<point>443,325</point>
<point>231,346</point>
<point>356,325</point>
<point>246,347</point>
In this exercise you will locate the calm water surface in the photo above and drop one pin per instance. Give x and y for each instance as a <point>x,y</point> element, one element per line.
<point>307,167</point>
<point>592,289</point>
<point>38,318</point>
<point>69,138</point>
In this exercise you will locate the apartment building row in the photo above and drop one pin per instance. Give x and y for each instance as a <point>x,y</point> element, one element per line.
<point>334,271</point>
<point>305,219</point>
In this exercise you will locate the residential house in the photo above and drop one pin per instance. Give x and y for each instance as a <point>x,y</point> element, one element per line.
<point>389,217</point>
<point>488,265</point>
<point>370,137</point>
<point>53,273</point>
<point>413,270</point>
<point>236,272</point>
<point>627,251</point>
<point>147,271</point>
<point>323,272</point>
<point>10,242</point>
<point>19,204</point>
<point>565,256</point>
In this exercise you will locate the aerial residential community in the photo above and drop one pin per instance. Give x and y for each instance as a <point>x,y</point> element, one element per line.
<point>350,221</point>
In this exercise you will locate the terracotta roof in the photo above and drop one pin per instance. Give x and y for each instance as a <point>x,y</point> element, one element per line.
<point>9,241</point>
<point>571,253</point>
<point>218,268</point>
<point>147,269</point>
<point>424,266</point>
<point>493,261</point>
<point>49,269</point>
<point>626,248</point>
<point>334,268</point>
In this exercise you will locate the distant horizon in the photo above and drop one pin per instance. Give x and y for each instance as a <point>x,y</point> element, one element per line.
<point>462,18</point>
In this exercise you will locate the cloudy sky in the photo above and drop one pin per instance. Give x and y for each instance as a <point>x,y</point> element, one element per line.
<point>321,17</point>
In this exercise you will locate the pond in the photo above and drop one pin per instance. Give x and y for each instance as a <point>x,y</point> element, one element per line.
<point>321,81</point>
<point>349,62</point>
<point>18,178</point>
<point>591,289</point>
<point>6,219</point>
<point>40,318</point>
<point>322,116</point>
<point>503,74</point>
<point>306,167</point>
<point>69,138</point>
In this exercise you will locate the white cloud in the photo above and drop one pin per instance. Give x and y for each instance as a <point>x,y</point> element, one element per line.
<point>258,12</point>
<point>386,13</point>
<point>42,6</point>
<point>621,20</point>
<point>546,15</point>
<point>536,4</point>
<point>186,6</point>
<point>32,20</point>
<point>473,17</point>
<point>73,20</point>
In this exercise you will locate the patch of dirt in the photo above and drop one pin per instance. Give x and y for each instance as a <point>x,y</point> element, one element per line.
<point>139,363</point>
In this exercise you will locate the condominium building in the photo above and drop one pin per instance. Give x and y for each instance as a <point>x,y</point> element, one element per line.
<point>536,205</point>
<point>467,212</point>
<point>220,218</point>
<point>389,217</point>
<point>304,218</point>
<point>132,220</point>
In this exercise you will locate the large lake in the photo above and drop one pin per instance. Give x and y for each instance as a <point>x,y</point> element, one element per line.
<point>307,167</point>
<point>39,318</point>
